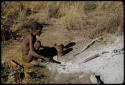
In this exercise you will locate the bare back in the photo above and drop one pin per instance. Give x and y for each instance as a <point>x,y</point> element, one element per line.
<point>26,46</point>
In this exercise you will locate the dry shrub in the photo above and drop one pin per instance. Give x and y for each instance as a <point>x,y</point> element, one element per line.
<point>90,17</point>
<point>106,23</point>
<point>107,18</point>
<point>12,12</point>
<point>71,22</point>
<point>72,16</point>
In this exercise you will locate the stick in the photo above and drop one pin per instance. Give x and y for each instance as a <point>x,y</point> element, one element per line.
<point>95,56</point>
<point>87,46</point>
<point>13,61</point>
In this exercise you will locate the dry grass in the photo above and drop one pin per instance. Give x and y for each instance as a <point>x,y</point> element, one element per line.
<point>69,14</point>
<point>97,17</point>
<point>70,21</point>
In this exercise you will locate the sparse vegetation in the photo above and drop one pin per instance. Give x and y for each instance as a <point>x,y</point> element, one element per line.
<point>88,15</point>
<point>88,19</point>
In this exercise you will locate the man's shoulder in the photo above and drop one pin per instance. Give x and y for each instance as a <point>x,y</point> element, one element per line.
<point>29,35</point>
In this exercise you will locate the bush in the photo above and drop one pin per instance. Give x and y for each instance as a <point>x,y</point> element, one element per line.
<point>90,17</point>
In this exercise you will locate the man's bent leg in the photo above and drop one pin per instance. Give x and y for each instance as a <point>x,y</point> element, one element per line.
<point>27,65</point>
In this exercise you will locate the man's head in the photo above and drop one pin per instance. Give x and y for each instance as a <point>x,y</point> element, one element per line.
<point>36,28</point>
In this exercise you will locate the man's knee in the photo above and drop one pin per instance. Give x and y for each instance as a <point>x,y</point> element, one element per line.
<point>37,45</point>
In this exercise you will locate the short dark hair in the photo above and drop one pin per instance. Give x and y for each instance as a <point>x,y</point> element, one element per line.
<point>36,26</point>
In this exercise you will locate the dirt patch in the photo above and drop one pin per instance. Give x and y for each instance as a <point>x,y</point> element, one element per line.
<point>71,78</point>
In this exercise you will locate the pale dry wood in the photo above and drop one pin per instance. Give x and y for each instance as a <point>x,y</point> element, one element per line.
<point>88,45</point>
<point>95,56</point>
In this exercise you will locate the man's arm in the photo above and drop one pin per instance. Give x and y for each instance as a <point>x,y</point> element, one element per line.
<point>32,52</point>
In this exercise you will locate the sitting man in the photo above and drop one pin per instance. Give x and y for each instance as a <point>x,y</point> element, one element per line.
<point>31,49</point>
<point>30,45</point>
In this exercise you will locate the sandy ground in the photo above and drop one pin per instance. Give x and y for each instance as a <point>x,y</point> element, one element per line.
<point>108,65</point>
<point>83,68</point>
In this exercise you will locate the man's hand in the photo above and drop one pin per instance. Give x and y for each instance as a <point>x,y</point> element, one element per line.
<point>40,48</point>
<point>47,59</point>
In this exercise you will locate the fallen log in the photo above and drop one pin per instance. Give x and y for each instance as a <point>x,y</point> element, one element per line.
<point>95,56</point>
<point>90,58</point>
<point>88,45</point>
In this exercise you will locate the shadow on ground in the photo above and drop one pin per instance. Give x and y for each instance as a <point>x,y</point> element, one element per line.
<point>50,52</point>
